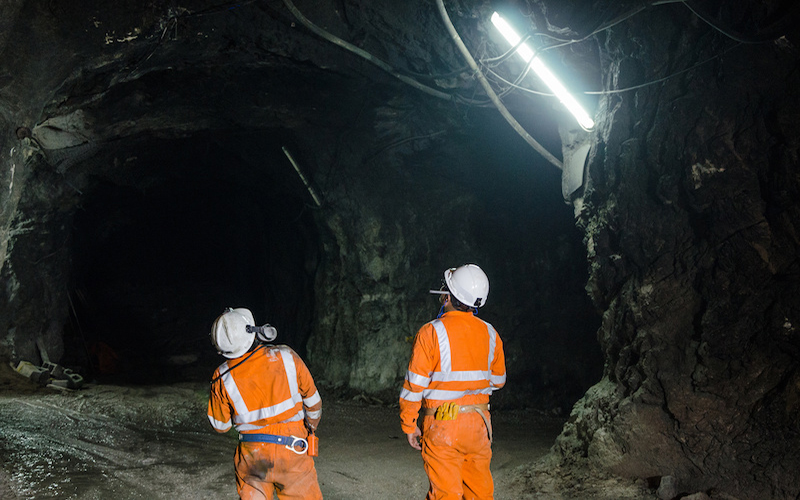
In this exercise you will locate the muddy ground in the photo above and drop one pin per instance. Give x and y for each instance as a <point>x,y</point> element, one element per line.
<point>154,442</point>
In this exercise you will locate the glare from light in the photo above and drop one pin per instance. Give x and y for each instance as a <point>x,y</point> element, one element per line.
<point>543,72</point>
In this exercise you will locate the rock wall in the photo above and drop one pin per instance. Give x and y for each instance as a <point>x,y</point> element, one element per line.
<point>384,252</point>
<point>401,207</point>
<point>690,213</point>
<point>35,272</point>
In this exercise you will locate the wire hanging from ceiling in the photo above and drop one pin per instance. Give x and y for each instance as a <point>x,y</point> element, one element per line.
<point>491,93</point>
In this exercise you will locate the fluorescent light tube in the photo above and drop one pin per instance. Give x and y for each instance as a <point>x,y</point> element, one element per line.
<point>545,74</point>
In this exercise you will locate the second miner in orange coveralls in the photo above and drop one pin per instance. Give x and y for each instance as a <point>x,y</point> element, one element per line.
<point>457,359</point>
<point>266,393</point>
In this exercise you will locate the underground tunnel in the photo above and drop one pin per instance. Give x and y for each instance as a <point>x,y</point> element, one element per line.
<point>152,253</point>
<point>322,164</point>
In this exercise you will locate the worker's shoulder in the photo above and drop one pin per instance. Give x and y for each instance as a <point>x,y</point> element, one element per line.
<point>462,318</point>
<point>427,327</point>
<point>275,350</point>
<point>221,368</point>
<point>470,323</point>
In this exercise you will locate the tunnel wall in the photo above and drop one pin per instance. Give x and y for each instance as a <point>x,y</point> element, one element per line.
<point>34,257</point>
<point>690,217</point>
<point>383,253</point>
<point>393,222</point>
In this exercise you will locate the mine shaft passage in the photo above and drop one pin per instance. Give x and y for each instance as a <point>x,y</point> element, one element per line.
<point>160,252</point>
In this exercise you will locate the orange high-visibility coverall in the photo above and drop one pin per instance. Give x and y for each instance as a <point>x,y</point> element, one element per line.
<point>457,358</point>
<point>272,392</point>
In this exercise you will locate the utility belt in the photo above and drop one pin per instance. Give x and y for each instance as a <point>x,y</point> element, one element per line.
<point>450,411</point>
<point>293,443</point>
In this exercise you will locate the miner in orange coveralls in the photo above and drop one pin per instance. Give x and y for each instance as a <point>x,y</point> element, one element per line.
<point>456,363</point>
<point>267,393</point>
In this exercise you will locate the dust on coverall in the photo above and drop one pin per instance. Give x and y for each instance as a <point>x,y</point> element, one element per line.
<point>457,358</point>
<point>270,393</point>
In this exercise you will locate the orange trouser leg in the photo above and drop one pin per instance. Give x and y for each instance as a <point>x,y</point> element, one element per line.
<point>457,455</point>
<point>266,468</point>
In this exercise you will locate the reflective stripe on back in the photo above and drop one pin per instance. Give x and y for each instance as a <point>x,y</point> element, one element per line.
<point>244,417</point>
<point>233,390</point>
<point>448,375</point>
<point>492,343</point>
<point>262,413</point>
<point>291,369</point>
<point>444,345</point>
<point>460,376</point>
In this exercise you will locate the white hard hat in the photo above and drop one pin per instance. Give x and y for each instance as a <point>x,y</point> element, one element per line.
<point>229,333</point>
<point>468,284</point>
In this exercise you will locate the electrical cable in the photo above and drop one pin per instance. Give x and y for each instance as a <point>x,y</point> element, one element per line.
<point>490,92</point>
<point>724,32</point>
<point>364,54</point>
<point>614,22</point>
<point>405,140</point>
<point>618,91</point>
<point>617,20</point>
<point>434,76</point>
<point>510,52</point>
<point>516,86</point>
<point>216,9</point>
<point>636,87</point>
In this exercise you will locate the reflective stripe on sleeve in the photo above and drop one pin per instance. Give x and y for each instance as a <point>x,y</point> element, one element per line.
<point>498,379</point>
<point>417,379</point>
<point>413,397</point>
<point>220,426</point>
<point>316,398</point>
<point>314,414</point>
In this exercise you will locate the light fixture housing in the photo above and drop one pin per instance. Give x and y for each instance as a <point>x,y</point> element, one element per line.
<point>543,72</point>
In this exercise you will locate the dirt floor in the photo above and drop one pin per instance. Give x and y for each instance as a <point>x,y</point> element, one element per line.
<point>154,442</point>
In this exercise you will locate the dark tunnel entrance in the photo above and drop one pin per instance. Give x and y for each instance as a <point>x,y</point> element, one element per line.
<point>186,228</point>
